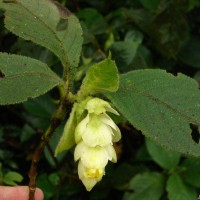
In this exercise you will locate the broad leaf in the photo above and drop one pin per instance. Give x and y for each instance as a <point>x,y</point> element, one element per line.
<point>178,190</point>
<point>164,107</point>
<point>145,186</point>
<point>164,158</point>
<point>22,78</point>
<point>102,76</point>
<point>46,23</point>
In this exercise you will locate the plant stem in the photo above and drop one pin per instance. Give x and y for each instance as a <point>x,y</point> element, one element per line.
<point>56,120</point>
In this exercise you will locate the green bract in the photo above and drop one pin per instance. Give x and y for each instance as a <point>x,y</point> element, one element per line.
<point>67,139</point>
<point>102,76</point>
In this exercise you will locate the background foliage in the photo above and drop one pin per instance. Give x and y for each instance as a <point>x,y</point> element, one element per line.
<point>140,34</point>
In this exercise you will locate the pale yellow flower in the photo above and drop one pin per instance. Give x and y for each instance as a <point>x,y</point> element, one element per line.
<point>94,136</point>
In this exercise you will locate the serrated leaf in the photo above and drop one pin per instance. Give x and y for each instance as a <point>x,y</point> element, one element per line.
<point>163,157</point>
<point>22,78</point>
<point>102,76</point>
<point>46,23</point>
<point>191,173</point>
<point>178,190</point>
<point>11,178</point>
<point>162,106</point>
<point>67,139</point>
<point>145,186</point>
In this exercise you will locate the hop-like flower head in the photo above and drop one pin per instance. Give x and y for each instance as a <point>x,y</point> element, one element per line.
<point>94,136</point>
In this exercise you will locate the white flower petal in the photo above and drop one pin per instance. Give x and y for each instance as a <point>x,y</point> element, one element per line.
<point>95,157</point>
<point>89,177</point>
<point>117,134</point>
<point>89,183</point>
<point>112,154</point>
<point>97,134</point>
<point>80,149</point>
<point>112,110</point>
<point>80,129</point>
<point>107,120</point>
<point>81,170</point>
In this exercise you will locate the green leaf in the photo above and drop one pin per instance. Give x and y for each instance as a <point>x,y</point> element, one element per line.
<point>46,23</point>
<point>192,171</point>
<point>142,59</point>
<point>67,140</point>
<point>54,179</point>
<point>178,190</point>
<point>11,178</point>
<point>94,21</point>
<point>162,106</point>
<point>102,76</point>
<point>46,185</point>
<point>190,53</point>
<point>22,78</point>
<point>164,158</point>
<point>148,184</point>
<point>26,133</point>
<point>124,51</point>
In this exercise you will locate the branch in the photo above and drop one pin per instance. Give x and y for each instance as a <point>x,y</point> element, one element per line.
<point>56,120</point>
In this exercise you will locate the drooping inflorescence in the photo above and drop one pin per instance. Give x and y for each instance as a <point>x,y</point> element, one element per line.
<point>94,136</point>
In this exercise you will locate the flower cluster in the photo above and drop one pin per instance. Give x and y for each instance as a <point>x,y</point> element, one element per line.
<point>94,136</point>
